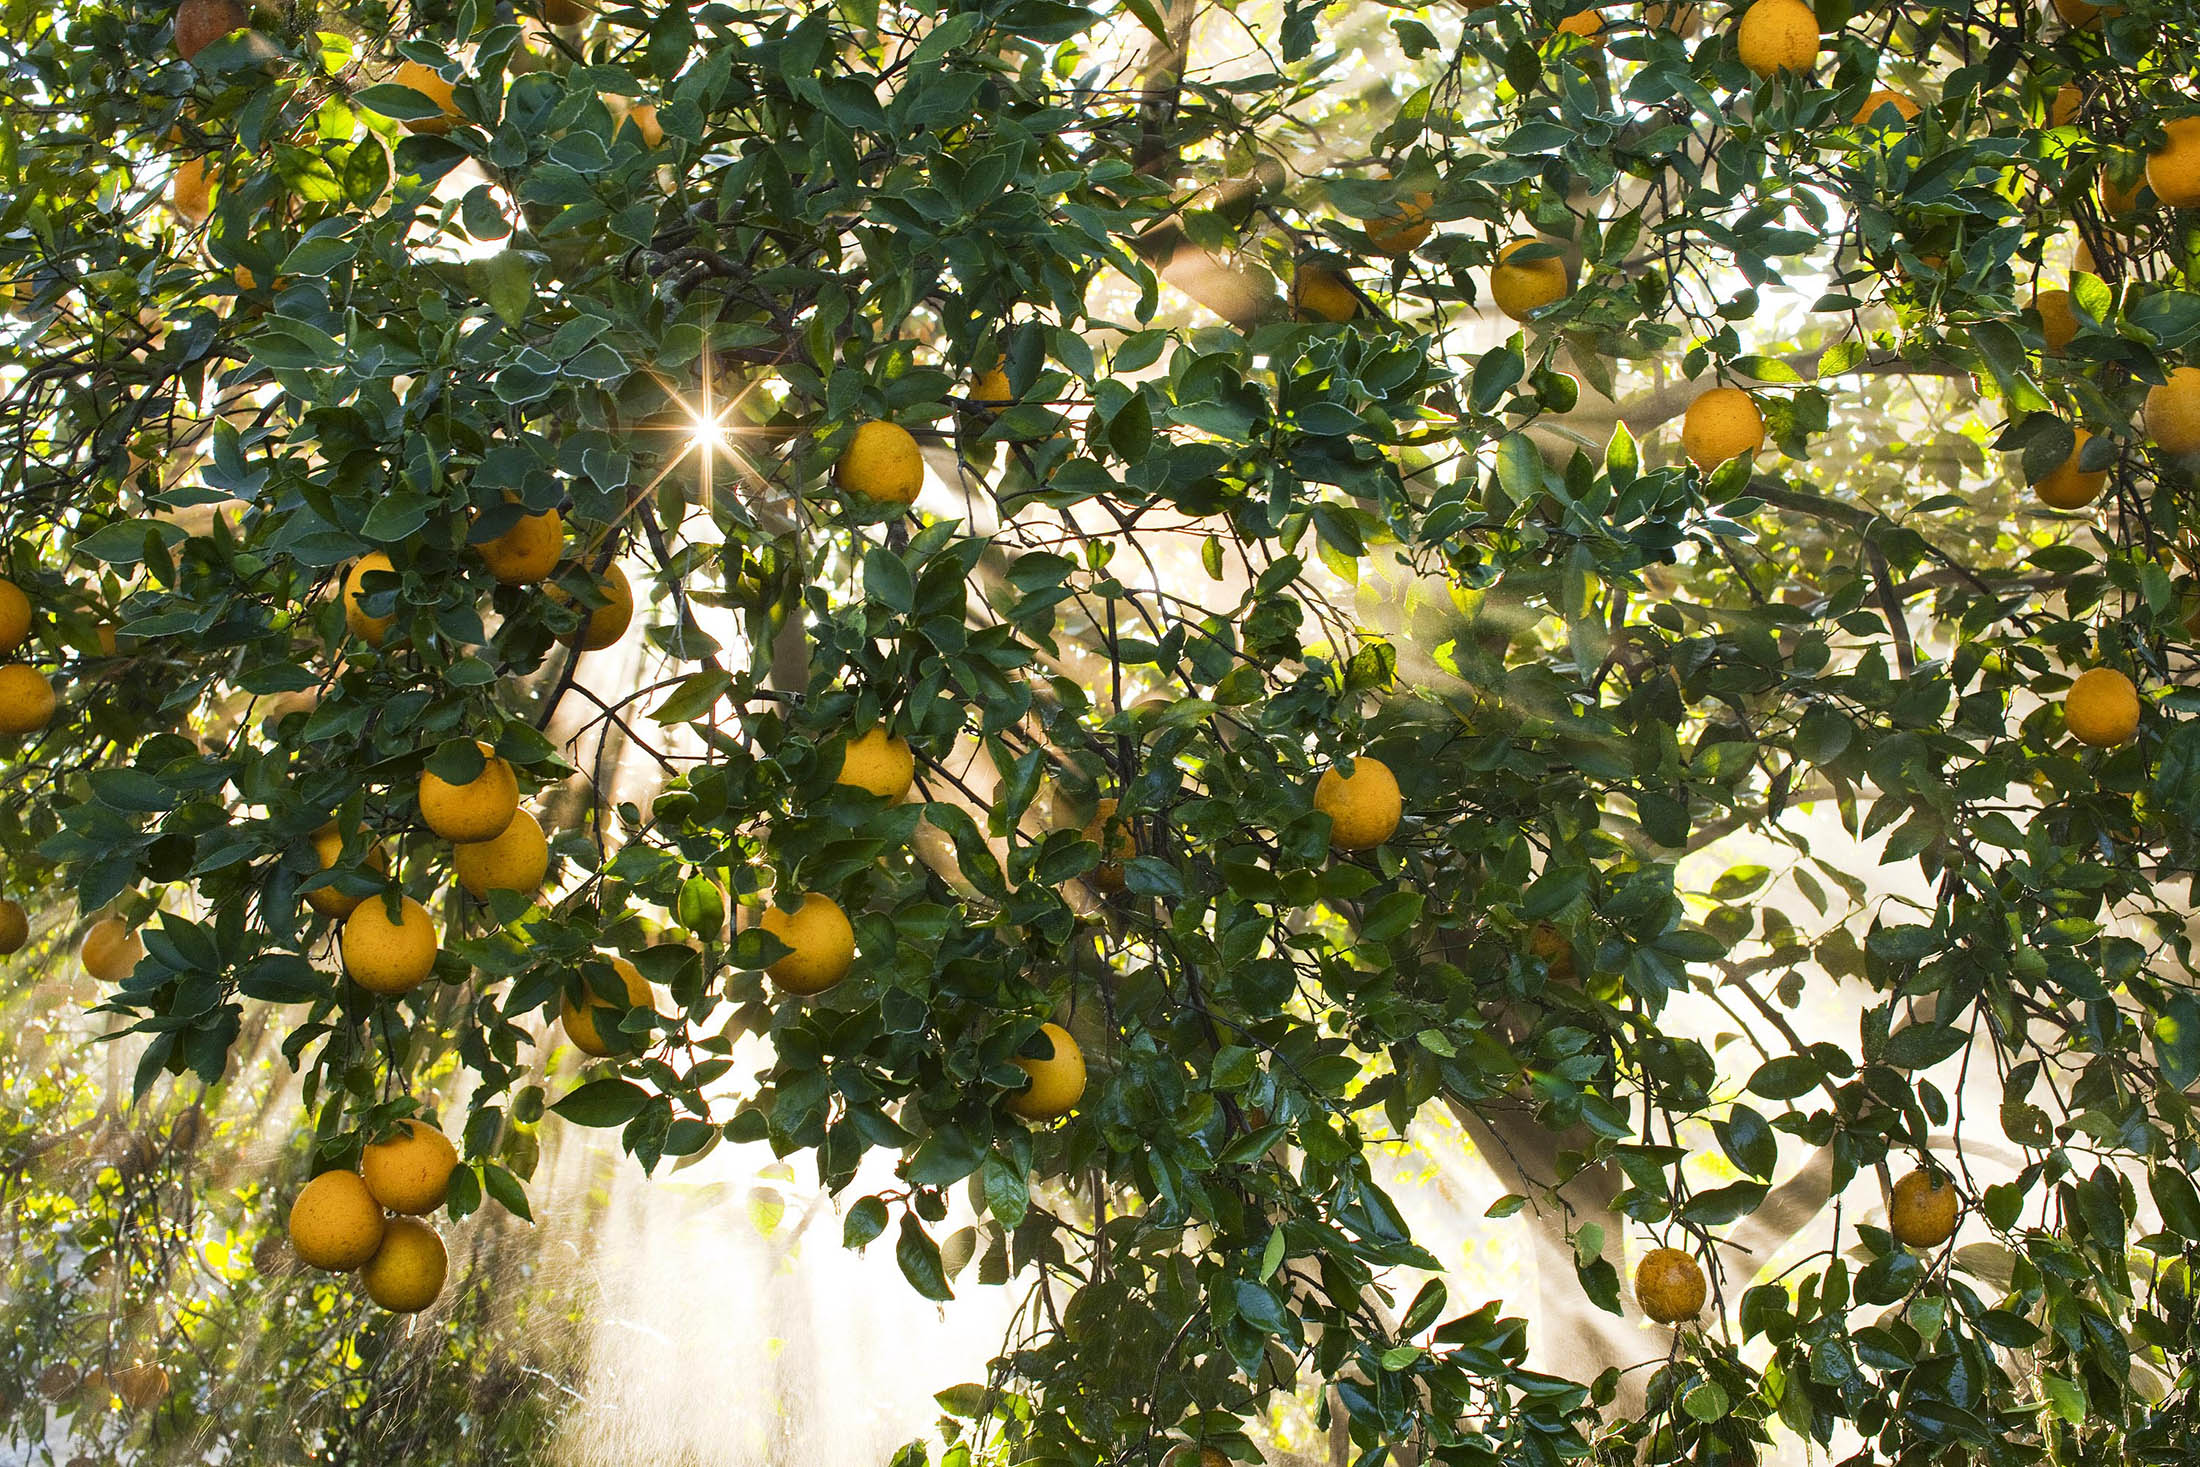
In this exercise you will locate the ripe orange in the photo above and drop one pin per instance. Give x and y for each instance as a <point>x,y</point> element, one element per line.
<point>1669,1284</point>
<point>2067,486</point>
<point>111,950</point>
<point>528,551</point>
<point>478,810</point>
<point>328,845</point>
<point>407,1271</point>
<point>1057,1079</point>
<point>191,191</point>
<point>587,1024</point>
<point>1905,109</point>
<point>1319,293</point>
<point>608,622</point>
<point>2101,708</point>
<point>515,859</point>
<point>2063,109</point>
<point>1117,842</point>
<point>881,463</point>
<point>335,1223</point>
<point>2173,170</point>
<point>1922,1211</point>
<point>2084,15</point>
<point>1723,423</point>
<point>368,629</point>
<point>823,940</point>
<point>386,957</point>
<point>430,84</point>
<point>411,1172</point>
<point>1363,807</point>
<point>26,699</point>
<point>15,927</point>
<point>200,23</point>
<point>880,762</point>
<point>1401,232</point>
<point>1587,24</point>
<point>15,616</point>
<point>1778,37</point>
<point>2058,318</point>
<point>2172,413</point>
<point>1523,287</point>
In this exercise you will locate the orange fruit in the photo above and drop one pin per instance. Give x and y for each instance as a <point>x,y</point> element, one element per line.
<point>1904,108</point>
<point>427,81</point>
<point>1522,288</point>
<point>1723,423</point>
<point>1401,233</point>
<point>407,1271</point>
<point>478,810</point>
<point>587,1025</point>
<point>200,23</point>
<point>1922,1211</point>
<point>1669,1284</point>
<point>111,950</point>
<point>2102,708</point>
<point>880,762</point>
<point>386,957</point>
<point>1778,37</point>
<point>881,463</point>
<point>1319,293</point>
<point>2173,170</point>
<point>823,940</point>
<point>2058,318</point>
<point>1363,807</point>
<point>335,1223</point>
<point>2172,413</point>
<point>2067,486</point>
<point>1057,1080</point>
<point>26,699</point>
<point>368,629</point>
<point>409,1173</point>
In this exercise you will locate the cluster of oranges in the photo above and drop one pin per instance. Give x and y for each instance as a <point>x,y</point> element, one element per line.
<point>370,1219</point>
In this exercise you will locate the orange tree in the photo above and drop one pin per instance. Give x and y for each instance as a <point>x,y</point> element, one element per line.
<point>1092,567</point>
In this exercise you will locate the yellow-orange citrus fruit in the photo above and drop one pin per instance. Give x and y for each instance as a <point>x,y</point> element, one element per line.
<point>15,927</point>
<point>1057,1079</point>
<point>1668,17</point>
<point>823,941</point>
<point>566,12</point>
<point>880,762</point>
<point>328,845</point>
<point>2173,170</point>
<point>1587,24</point>
<point>2066,486</point>
<point>335,1223</point>
<point>410,1173</point>
<point>368,629</point>
<point>528,551</point>
<point>2172,413</point>
<point>2058,318</point>
<point>991,386</point>
<point>1363,807</point>
<point>2101,708</point>
<point>26,699</point>
<point>642,117</point>
<point>881,463</point>
<point>2063,109</point>
<point>587,1025</point>
<point>1319,293</point>
<point>1778,36</point>
<point>1117,843</point>
<point>1723,423</point>
<point>110,950</point>
<point>1521,287</point>
<point>430,84</point>
<point>477,810</point>
<point>389,957</point>
<point>15,616</point>
<point>515,859</point>
<point>2084,15</point>
<point>1545,941</point>
<point>407,1271</point>
<point>608,622</point>
<point>200,23</point>
<point>1922,1211</point>
<point>191,191</point>
<point>1904,108</point>
<point>1401,232</point>
<point>1669,1284</point>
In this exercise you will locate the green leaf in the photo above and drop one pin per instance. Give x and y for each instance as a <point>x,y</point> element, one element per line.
<point>866,1220</point>
<point>602,1103</point>
<point>919,1258</point>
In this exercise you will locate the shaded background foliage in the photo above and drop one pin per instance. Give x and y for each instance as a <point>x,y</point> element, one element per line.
<point>1204,552</point>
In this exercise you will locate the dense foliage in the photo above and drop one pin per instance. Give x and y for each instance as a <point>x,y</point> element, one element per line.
<point>652,267</point>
